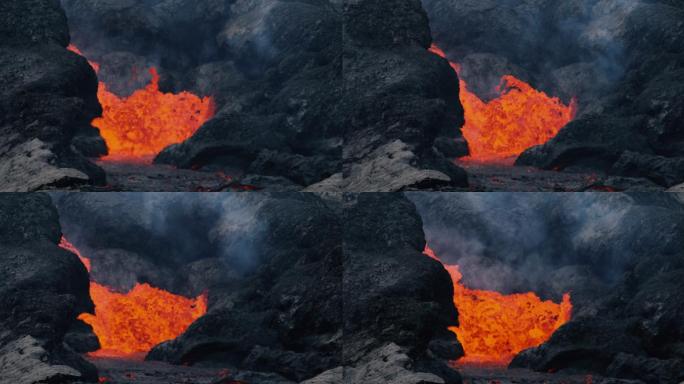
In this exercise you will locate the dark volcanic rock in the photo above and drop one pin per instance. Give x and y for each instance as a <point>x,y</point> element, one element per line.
<point>393,294</point>
<point>47,102</point>
<point>397,92</point>
<point>662,170</point>
<point>38,305</point>
<point>274,321</point>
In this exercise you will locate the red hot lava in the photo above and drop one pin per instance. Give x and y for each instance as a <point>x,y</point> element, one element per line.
<point>130,323</point>
<point>495,327</point>
<point>138,127</point>
<point>519,118</point>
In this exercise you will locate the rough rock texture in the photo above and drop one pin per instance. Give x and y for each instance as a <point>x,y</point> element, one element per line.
<point>47,101</point>
<point>272,66</point>
<point>395,91</point>
<point>390,168</point>
<point>273,321</point>
<point>389,364</point>
<point>37,305</point>
<point>393,294</point>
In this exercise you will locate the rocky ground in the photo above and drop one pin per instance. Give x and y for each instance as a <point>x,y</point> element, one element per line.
<point>504,178</point>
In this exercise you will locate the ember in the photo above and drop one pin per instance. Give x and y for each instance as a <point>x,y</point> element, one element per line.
<point>520,118</point>
<point>496,327</point>
<point>138,127</point>
<point>134,322</point>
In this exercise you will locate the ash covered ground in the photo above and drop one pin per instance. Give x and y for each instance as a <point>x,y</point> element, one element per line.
<point>343,95</point>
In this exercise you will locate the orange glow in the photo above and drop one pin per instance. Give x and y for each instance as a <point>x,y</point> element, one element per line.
<point>65,244</point>
<point>134,322</point>
<point>496,327</point>
<point>138,127</point>
<point>519,118</point>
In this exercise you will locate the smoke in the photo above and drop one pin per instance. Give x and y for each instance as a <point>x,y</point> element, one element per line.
<point>570,49</point>
<point>548,243</point>
<point>164,234</point>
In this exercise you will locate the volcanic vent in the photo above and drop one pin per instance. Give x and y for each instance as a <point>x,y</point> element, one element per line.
<point>495,327</point>
<point>138,127</point>
<point>132,323</point>
<point>518,118</point>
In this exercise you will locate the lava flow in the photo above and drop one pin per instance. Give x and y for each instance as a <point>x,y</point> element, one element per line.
<point>138,127</point>
<point>130,323</point>
<point>521,117</point>
<point>496,327</point>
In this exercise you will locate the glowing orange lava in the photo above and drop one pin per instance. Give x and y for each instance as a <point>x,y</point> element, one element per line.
<point>138,127</point>
<point>134,322</point>
<point>496,327</point>
<point>518,119</point>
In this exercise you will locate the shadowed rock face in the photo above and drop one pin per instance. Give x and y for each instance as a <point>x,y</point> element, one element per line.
<point>47,102</point>
<point>399,100</point>
<point>397,301</point>
<point>38,306</point>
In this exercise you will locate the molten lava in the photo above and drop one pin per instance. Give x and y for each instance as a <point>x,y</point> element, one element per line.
<point>134,322</point>
<point>518,119</point>
<point>496,327</point>
<point>138,127</point>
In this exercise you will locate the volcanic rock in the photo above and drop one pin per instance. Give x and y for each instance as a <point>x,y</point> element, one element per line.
<point>662,170</point>
<point>274,321</point>
<point>393,168</point>
<point>397,92</point>
<point>47,102</point>
<point>393,294</point>
<point>389,364</point>
<point>38,306</point>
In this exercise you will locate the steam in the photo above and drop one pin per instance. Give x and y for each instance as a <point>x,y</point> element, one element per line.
<point>517,242</point>
<point>158,236</point>
<point>570,48</point>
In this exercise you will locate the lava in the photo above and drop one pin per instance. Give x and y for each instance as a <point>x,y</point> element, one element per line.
<point>521,117</point>
<point>495,327</point>
<point>138,127</point>
<point>134,322</point>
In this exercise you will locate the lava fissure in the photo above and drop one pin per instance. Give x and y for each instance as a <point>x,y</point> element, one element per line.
<point>138,127</point>
<point>521,117</point>
<point>495,327</point>
<point>134,322</point>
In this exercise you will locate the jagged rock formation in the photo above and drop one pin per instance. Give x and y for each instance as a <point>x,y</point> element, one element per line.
<point>38,306</point>
<point>393,294</point>
<point>46,104</point>
<point>399,102</point>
